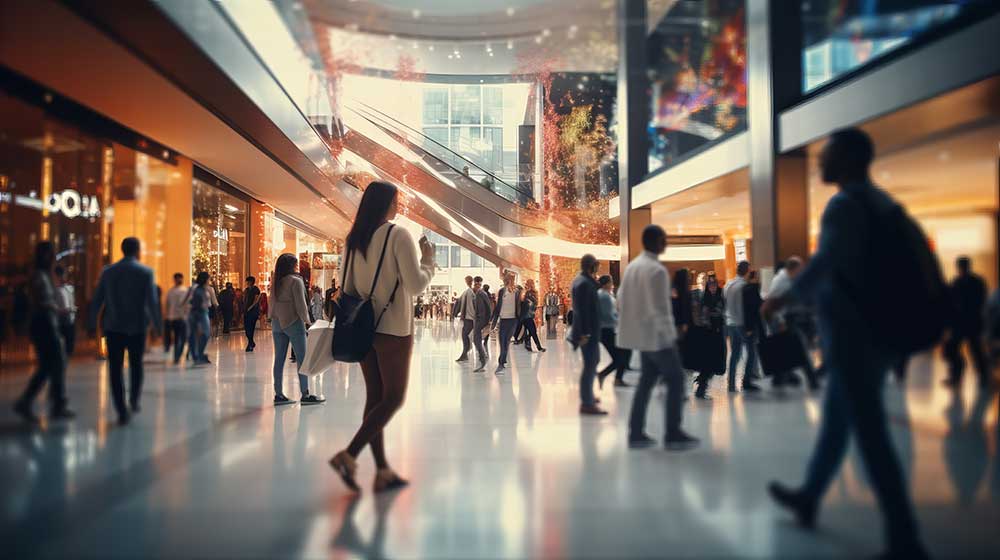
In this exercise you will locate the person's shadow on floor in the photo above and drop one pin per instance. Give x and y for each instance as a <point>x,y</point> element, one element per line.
<point>349,538</point>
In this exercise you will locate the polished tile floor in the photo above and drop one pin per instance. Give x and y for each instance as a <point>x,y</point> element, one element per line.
<point>502,467</point>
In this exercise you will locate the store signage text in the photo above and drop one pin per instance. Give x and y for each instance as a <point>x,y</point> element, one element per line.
<point>221,233</point>
<point>69,203</point>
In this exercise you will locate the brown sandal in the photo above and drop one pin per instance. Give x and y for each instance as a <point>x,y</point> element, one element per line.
<point>344,465</point>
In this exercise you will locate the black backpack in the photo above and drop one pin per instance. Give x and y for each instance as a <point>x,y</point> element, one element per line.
<point>915,317</point>
<point>354,330</point>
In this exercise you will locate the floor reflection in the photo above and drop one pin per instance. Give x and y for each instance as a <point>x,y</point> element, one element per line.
<point>502,466</point>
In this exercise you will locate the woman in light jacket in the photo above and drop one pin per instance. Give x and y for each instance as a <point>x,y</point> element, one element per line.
<point>289,320</point>
<point>386,369</point>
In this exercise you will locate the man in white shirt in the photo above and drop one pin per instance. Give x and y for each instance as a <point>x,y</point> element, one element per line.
<point>506,312</point>
<point>466,311</point>
<point>646,324</point>
<point>735,328</point>
<point>175,318</point>
<point>794,317</point>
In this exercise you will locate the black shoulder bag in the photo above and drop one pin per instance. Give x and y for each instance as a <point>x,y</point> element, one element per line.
<point>354,330</point>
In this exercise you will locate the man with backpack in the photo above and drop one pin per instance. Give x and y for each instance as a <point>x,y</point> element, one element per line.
<point>863,230</point>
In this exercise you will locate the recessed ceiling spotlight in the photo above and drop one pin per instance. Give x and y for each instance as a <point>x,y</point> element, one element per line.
<point>538,39</point>
<point>414,45</point>
<point>491,53</point>
<point>392,37</point>
<point>430,47</point>
<point>451,56</point>
<point>546,32</point>
<point>510,44</point>
<point>510,11</point>
<point>416,13</point>
<point>459,55</point>
<point>579,86</point>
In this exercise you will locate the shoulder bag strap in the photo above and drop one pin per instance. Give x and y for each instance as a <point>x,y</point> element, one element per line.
<point>378,271</point>
<point>392,296</point>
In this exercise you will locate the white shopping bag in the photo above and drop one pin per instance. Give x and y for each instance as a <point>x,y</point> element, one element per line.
<point>319,349</point>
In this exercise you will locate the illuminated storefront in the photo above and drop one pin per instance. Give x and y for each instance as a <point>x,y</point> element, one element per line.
<point>218,231</point>
<point>84,187</point>
<point>319,257</point>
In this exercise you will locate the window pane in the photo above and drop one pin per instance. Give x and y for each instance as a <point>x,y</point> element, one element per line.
<point>492,149</point>
<point>435,106</point>
<point>467,140</point>
<point>476,261</point>
<point>492,105</point>
<point>441,256</point>
<point>437,133</point>
<point>456,255</point>
<point>465,107</point>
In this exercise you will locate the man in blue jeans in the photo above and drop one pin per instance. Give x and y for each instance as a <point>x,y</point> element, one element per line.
<point>855,361</point>
<point>737,333</point>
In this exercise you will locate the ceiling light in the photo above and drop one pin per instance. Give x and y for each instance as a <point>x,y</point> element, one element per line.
<point>579,86</point>
<point>430,47</point>
<point>510,11</point>
<point>510,44</point>
<point>538,39</point>
<point>231,208</point>
<point>546,32</point>
<point>414,45</point>
<point>416,14</point>
<point>491,53</point>
<point>392,37</point>
<point>450,56</point>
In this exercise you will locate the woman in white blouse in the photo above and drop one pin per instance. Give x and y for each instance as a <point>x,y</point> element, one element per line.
<point>386,369</point>
<point>289,321</point>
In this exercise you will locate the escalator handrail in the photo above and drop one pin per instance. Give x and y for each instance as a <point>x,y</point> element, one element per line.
<point>399,124</point>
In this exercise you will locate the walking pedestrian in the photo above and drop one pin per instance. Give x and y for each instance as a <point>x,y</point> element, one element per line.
<point>607,311</point>
<point>968,294</point>
<point>737,333</point>
<point>857,358</point>
<point>127,293</point>
<point>482,311</point>
<point>506,313</point>
<point>198,302</point>
<point>529,308</point>
<point>585,332</point>
<point>254,307</point>
<point>43,328</point>
<point>386,368</point>
<point>466,312</point>
<point>227,305</point>
<point>646,324</point>
<point>175,321</point>
<point>709,321</point>
<point>66,298</point>
<point>289,323</point>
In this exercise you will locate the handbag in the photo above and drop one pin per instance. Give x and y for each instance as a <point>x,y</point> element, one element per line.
<point>354,329</point>
<point>781,352</point>
<point>318,359</point>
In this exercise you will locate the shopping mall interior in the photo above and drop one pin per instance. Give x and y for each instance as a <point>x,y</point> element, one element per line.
<point>521,135</point>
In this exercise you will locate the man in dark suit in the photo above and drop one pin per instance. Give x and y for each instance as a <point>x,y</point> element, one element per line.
<point>483,311</point>
<point>127,294</point>
<point>968,293</point>
<point>585,332</point>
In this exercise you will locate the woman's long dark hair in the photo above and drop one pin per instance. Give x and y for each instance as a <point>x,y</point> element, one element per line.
<point>286,265</point>
<point>708,299</point>
<point>202,278</point>
<point>371,214</point>
<point>682,285</point>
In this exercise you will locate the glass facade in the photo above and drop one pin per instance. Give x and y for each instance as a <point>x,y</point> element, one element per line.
<point>697,59</point>
<point>840,36</point>
<point>455,116</point>
<point>85,193</point>
<point>218,235</point>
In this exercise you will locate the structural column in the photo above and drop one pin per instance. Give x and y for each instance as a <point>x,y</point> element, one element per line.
<point>779,194</point>
<point>633,118</point>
